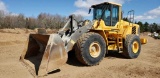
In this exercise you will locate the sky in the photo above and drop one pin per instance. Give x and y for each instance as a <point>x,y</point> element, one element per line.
<point>145,10</point>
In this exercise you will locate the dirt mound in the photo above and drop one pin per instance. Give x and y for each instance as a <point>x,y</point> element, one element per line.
<point>11,43</point>
<point>7,37</point>
<point>51,31</point>
<point>14,31</point>
<point>26,31</point>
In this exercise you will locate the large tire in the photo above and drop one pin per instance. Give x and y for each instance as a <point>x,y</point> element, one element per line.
<point>90,48</point>
<point>132,46</point>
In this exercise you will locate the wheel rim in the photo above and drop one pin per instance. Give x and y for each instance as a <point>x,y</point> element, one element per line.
<point>94,49</point>
<point>135,47</point>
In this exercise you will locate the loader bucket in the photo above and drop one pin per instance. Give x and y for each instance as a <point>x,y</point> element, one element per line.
<point>43,54</point>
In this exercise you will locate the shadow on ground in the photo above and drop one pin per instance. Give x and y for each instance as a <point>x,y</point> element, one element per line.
<point>114,54</point>
<point>72,60</point>
<point>55,71</point>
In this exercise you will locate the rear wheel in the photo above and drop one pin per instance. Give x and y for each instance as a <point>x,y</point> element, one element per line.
<point>132,46</point>
<point>90,48</point>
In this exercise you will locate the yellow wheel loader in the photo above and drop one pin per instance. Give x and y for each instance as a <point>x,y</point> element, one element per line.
<point>91,41</point>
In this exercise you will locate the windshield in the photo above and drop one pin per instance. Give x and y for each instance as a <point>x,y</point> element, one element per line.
<point>108,13</point>
<point>97,13</point>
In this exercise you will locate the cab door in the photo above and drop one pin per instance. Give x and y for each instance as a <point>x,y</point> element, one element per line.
<point>111,16</point>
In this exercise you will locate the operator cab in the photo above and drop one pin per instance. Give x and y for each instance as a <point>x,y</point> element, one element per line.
<point>110,13</point>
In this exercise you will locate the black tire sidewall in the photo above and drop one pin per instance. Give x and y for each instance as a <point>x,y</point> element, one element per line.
<point>130,43</point>
<point>87,57</point>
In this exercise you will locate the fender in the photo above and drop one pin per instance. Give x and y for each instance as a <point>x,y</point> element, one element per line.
<point>76,35</point>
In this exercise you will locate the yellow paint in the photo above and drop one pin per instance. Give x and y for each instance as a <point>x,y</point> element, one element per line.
<point>112,47</point>
<point>73,42</point>
<point>135,47</point>
<point>94,49</point>
<point>143,40</point>
<point>122,28</point>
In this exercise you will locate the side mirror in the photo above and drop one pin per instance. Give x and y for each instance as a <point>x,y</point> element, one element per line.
<point>89,11</point>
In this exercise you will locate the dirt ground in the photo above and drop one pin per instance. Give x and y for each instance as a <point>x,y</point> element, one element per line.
<point>147,65</point>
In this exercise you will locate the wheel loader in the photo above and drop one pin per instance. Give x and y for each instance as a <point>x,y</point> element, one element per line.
<point>91,41</point>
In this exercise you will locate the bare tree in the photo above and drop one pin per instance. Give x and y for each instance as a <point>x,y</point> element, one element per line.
<point>79,18</point>
<point>21,21</point>
<point>1,17</point>
<point>43,20</point>
<point>31,23</point>
<point>51,21</point>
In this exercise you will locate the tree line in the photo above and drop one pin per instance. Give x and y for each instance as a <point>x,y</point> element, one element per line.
<point>43,20</point>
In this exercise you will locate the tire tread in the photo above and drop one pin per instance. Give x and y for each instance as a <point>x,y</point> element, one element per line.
<point>80,47</point>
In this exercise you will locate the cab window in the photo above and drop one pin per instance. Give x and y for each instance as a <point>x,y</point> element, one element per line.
<point>111,16</point>
<point>97,13</point>
<point>115,16</point>
<point>107,17</point>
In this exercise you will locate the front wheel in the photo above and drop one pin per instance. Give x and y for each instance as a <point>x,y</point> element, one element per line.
<point>90,48</point>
